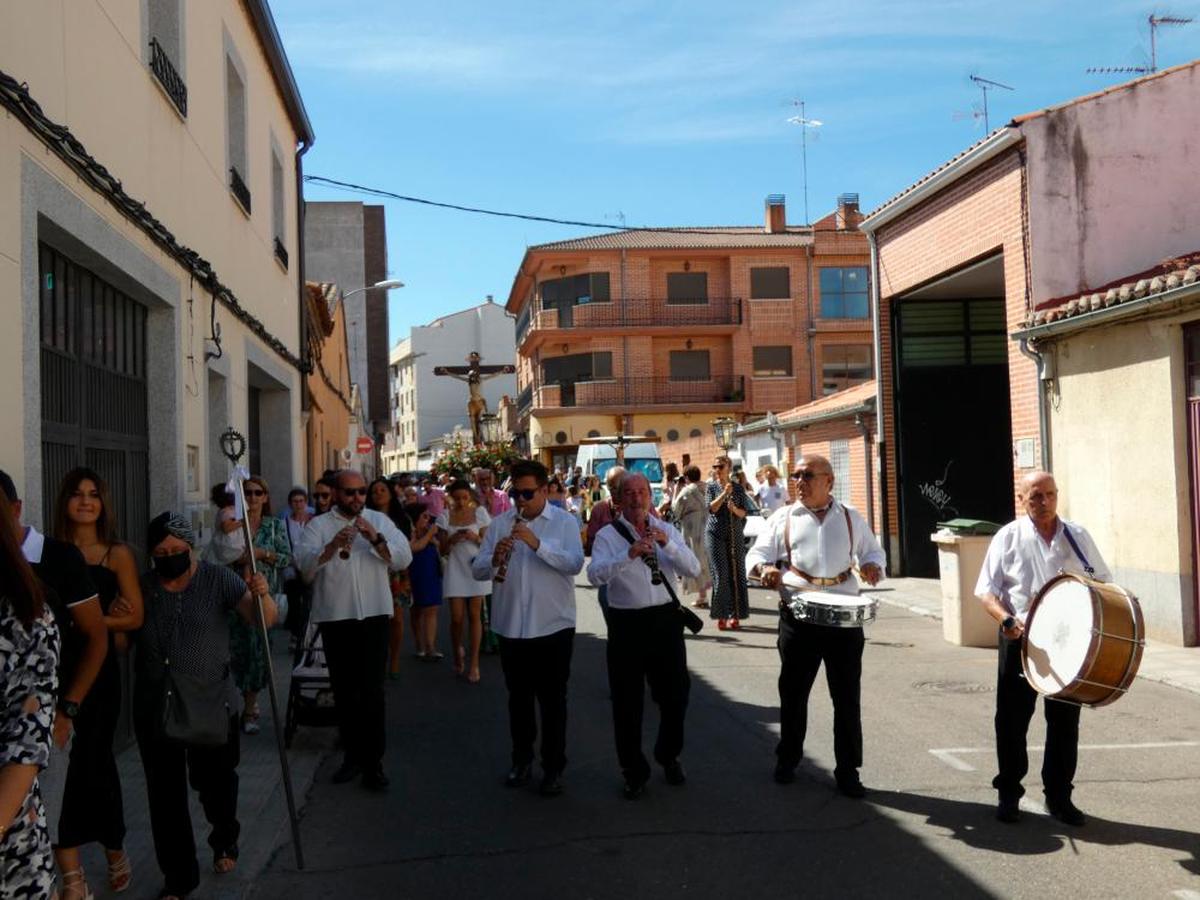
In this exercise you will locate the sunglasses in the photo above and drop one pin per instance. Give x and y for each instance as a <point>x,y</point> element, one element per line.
<point>806,475</point>
<point>720,466</point>
<point>255,493</point>
<point>350,492</point>
<point>322,495</point>
<point>523,493</point>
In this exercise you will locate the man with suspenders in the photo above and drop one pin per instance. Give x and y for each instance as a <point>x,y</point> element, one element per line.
<point>818,540</point>
<point>1022,557</point>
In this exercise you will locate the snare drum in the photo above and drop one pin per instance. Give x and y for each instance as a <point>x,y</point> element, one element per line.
<point>1083,641</point>
<point>827,608</point>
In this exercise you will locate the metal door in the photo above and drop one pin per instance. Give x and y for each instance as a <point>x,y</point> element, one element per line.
<point>93,373</point>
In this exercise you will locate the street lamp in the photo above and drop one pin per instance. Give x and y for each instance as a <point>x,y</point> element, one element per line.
<point>388,285</point>
<point>724,428</point>
<point>491,429</point>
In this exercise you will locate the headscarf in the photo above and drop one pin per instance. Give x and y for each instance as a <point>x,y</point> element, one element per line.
<point>169,524</point>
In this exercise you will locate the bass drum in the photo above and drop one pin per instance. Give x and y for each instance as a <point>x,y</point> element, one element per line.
<point>1083,641</point>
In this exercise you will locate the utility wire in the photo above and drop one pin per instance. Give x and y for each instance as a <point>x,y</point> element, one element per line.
<point>378,192</point>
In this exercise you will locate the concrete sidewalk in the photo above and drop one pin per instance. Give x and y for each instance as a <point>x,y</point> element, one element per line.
<point>1165,663</point>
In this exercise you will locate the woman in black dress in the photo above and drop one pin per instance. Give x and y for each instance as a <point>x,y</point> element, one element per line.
<point>93,810</point>
<point>724,541</point>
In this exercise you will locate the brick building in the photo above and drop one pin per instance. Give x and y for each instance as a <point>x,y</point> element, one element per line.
<point>657,331</point>
<point>1057,204</point>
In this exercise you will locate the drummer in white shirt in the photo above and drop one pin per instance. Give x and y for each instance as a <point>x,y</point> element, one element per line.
<point>827,538</point>
<point>1022,557</point>
<point>645,631</point>
<point>533,612</point>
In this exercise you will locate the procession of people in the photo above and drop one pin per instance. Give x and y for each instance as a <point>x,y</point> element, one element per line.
<point>504,561</point>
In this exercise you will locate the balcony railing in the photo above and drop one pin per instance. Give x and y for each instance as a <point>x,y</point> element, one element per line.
<point>525,401</point>
<point>635,392</point>
<point>239,189</point>
<point>173,84</point>
<point>523,324</point>
<point>281,253</point>
<point>636,313</point>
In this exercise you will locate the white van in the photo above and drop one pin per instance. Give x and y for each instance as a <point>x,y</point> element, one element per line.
<point>597,459</point>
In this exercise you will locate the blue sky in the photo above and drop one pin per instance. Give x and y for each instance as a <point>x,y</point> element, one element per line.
<point>668,112</point>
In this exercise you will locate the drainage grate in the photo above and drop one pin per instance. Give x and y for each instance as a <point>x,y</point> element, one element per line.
<point>954,687</point>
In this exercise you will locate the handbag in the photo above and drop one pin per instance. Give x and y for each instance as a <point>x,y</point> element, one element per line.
<point>194,711</point>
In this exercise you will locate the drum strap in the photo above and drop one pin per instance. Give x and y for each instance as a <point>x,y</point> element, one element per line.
<point>1087,567</point>
<point>817,579</point>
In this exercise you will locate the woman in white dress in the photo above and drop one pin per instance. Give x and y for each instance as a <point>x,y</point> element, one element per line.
<point>463,525</point>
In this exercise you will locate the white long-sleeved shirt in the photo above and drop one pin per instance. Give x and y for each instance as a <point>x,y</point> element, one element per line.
<point>1019,563</point>
<point>628,580</point>
<point>354,588</point>
<point>820,547</point>
<point>537,597</point>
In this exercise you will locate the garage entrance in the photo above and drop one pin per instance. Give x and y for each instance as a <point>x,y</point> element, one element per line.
<point>953,419</point>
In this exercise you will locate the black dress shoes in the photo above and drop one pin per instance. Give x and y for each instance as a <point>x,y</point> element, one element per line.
<point>551,785</point>
<point>1008,812</point>
<point>347,771</point>
<point>376,781</point>
<point>784,774</point>
<point>674,773</point>
<point>1067,813</point>
<point>634,787</point>
<point>850,786</point>
<point>517,775</point>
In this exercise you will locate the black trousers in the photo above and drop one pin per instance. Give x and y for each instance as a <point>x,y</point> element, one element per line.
<point>645,646</point>
<point>356,652</point>
<point>1015,701</point>
<point>537,669</point>
<point>212,772</point>
<point>802,649</point>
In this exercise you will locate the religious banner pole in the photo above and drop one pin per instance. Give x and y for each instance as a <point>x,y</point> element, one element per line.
<point>233,445</point>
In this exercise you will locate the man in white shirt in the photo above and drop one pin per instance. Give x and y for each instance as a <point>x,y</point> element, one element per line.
<point>1022,557</point>
<point>533,612</point>
<point>346,555</point>
<point>645,631</point>
<point>771,495</point>
<point>817,534</point>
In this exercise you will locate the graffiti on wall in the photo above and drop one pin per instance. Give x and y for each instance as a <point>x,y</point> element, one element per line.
<point>936,494</point>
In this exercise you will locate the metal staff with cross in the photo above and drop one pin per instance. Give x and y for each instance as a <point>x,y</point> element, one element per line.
<point>233,445</point>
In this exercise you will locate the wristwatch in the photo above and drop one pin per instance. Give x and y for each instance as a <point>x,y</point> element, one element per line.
<point>68,708</point>
<point>379,539</point>
<point>1008,623</point>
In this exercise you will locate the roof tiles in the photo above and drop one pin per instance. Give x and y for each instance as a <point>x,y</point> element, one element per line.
<point>718,238</point>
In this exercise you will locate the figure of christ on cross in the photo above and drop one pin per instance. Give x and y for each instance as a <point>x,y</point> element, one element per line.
<point>474,375</point>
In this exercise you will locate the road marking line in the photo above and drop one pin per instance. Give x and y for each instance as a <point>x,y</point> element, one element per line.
<point>950,755</point>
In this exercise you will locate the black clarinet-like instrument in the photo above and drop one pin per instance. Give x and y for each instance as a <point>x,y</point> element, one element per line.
<point>502,569</point>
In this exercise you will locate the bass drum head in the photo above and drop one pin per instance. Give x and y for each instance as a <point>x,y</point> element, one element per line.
<point>1059,636</point>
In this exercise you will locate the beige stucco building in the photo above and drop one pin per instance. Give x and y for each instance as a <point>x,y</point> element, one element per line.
<point>149,247</point>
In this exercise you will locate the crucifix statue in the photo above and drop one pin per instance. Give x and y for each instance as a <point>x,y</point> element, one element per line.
<point>474,375</point>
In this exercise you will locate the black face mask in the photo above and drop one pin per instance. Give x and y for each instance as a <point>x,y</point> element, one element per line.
<point>171,567</point>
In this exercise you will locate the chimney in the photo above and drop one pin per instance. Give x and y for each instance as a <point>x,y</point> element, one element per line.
<point>848,215</point>
<point>776,214</point>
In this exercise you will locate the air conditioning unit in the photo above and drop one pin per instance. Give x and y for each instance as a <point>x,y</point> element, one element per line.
<point>346,455</point>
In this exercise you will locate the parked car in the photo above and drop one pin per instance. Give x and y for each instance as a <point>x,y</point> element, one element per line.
<point>756,522</point>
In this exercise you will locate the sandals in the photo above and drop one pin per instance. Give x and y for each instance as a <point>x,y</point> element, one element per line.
<point>120,872</point>
<point>250,723</point>
<point>225,861</point>
<point>700,604</point>
<point>75,886</point>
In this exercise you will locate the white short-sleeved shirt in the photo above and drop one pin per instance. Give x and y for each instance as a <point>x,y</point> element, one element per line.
<point>1019,563</point>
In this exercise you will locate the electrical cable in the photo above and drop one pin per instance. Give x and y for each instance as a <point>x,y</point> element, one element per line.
<point>528,217</point>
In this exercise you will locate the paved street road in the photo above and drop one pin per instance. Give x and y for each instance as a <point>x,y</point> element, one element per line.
<point>449,829</point>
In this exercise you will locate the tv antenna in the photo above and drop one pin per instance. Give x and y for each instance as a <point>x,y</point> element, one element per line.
<point>618,216</point>
<point>805,123</point>
<point>985,85</point>
<point>1154,21</point>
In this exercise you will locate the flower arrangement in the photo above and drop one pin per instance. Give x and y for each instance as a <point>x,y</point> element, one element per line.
<point>460,457</point>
